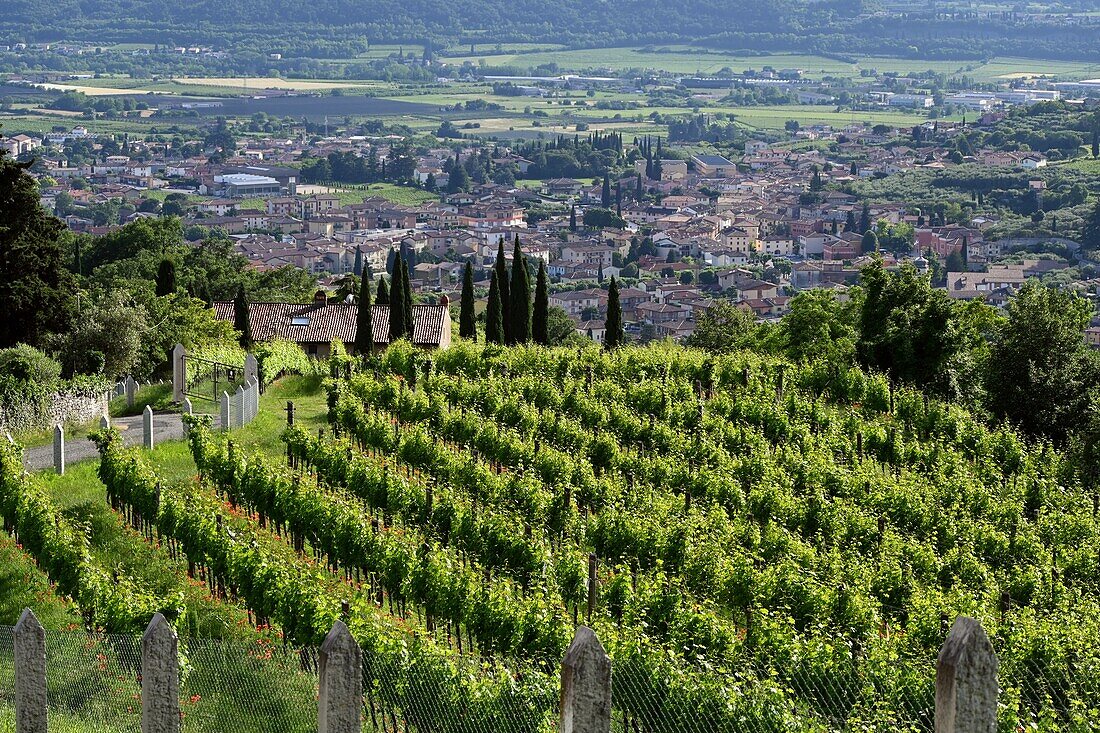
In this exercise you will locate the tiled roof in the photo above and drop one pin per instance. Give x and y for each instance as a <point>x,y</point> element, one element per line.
<point>316,323</point>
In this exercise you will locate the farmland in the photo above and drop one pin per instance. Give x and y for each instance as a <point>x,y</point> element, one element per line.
<point>701,513</point>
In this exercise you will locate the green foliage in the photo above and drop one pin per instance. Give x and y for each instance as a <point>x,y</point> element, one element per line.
<point>35,289</point>
<point>27,364</point>
<point>466,320</point>
<point>494,316</point>
<point>722,329</point>
<point>519,312</point>
<point>364,326</point>
<point>1040,371</point>
<point>279,357</point>
<point>540,317</point>
<point>908,329</point>
<point>613,325</point>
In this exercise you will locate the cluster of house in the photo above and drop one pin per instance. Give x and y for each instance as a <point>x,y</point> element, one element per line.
<point>707,228</point>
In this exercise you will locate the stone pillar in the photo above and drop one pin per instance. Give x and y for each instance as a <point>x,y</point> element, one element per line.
<point>160,688</point>
<point>104,421</point>
<point>131,388</point>
<point>340,703</point>
<point>225,411</point>
<point>585,685</point>
<point>255,397</point>
<point>251,368</point>
<point>966,681</point>
<point>147,428</point>
<point>30,674</point>
<point>179,372</point>
<point>59,450</point>
<point>188,408</point>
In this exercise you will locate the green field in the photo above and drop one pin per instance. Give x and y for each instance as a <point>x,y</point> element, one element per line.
<point>691,60</point>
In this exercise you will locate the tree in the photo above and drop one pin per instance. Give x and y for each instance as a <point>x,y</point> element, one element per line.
<point>494,321</point>
<point>850,221</point>
<point>397,301</point>
<point>106,339</point>
<point>1090,234</point>
<point>819,326</point>
<point>36,289</point>
<point>573,219</point>
<point>605,193</point>
<point>722,328</point>
<point>407,295</point>
<point>467,323</point>
<point>1040,371</point>
<point>955,262</point>
<point>242,320</point>
<point>865,219</point>
<point>869,243</point>
<point>613,335</point>
<point>364,322</point>
<point>459,179</point>
<point>383,291</point>
<point>540,319</point>
<point>501,269</point>
<point>908,329</point>
<point>815,180</point>
<point>357,268</point>
<point>520,293</point>
<point>166,278</point>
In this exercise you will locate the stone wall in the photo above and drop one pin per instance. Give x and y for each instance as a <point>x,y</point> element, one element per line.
<point>73,406</point>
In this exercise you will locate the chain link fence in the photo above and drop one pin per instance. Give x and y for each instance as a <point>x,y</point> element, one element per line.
<point>93,685</point>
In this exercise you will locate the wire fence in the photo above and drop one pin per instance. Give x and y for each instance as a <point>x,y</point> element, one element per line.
<point>93,685</point>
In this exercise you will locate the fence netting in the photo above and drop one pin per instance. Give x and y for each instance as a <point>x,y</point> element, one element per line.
<point>93,685</point>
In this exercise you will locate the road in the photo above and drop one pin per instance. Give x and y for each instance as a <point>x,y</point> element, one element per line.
<point>166,426</point>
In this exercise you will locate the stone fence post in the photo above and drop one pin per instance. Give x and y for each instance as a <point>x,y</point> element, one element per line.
<point>59,449</point>
<point>340,704</point>
<point>225,410</point>
<point>966,681</point>
<point>251,368</point>
<point>131,388</point>
<point>160,689</point>
<point>30,675</point>
<point>585,685</point>
<point>147,427</point>
<point>179,372</point>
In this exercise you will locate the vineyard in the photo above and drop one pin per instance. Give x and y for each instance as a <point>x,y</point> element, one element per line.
<point>761,546</point>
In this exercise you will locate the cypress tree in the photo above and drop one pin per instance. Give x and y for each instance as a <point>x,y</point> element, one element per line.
<point>406,293</point>
<point>540,318</point>
<point>638,188</point>
<point>573,219</point>
<point>383,291</point>
<point>397,303</point>
<point>865,219</point>
<point>605,194</point>
<point>241,318</point>
<point>494,321</point>
<point>364,327</point>
<point>501,268</point>
<point>613,324</point>
<point>520,292</point>
<point>166,278</point>
<point>357,268</point>
<point>467,325</point>
<point>619,197</point>
<point>850,221</point>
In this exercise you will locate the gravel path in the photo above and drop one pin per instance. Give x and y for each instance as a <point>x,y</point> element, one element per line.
<point>166,426</point>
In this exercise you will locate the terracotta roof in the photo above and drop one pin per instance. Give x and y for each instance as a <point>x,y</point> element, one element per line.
<point>317,323</point>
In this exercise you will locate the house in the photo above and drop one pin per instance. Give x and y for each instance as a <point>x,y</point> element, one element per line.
<point>713,166</point>
<point>314,326</point>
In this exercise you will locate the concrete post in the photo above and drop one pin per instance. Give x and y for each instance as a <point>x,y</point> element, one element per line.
<point>30,674</point>
<point>966,681</point>
<point>160,688</point>
<point>188,408</point>
<point>255,397</point>
<point>59,450</point>
<point>585,685</point>
<point>179,372</point>
<point>131,388</point>
<point>251,368</point>
<point>341,675</point>
<point>225,411</point>
<point>147,428</point>
<point>240,399</point>
<point>104,421</point>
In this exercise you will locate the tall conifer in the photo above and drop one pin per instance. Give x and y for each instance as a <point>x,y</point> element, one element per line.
<point>494,323</point>
<point>540,317</point>
<point>364,326</point>
<point>467,324</point>
<point>613,324</point>
<point>520,293</point>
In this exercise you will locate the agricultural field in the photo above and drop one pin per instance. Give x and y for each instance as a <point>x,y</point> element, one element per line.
<point>714,519</point>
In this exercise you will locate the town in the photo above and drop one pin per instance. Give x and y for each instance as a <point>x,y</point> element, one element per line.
<point>678,223</point>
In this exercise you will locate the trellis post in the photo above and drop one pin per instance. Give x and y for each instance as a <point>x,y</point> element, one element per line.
<point>585,685</point>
